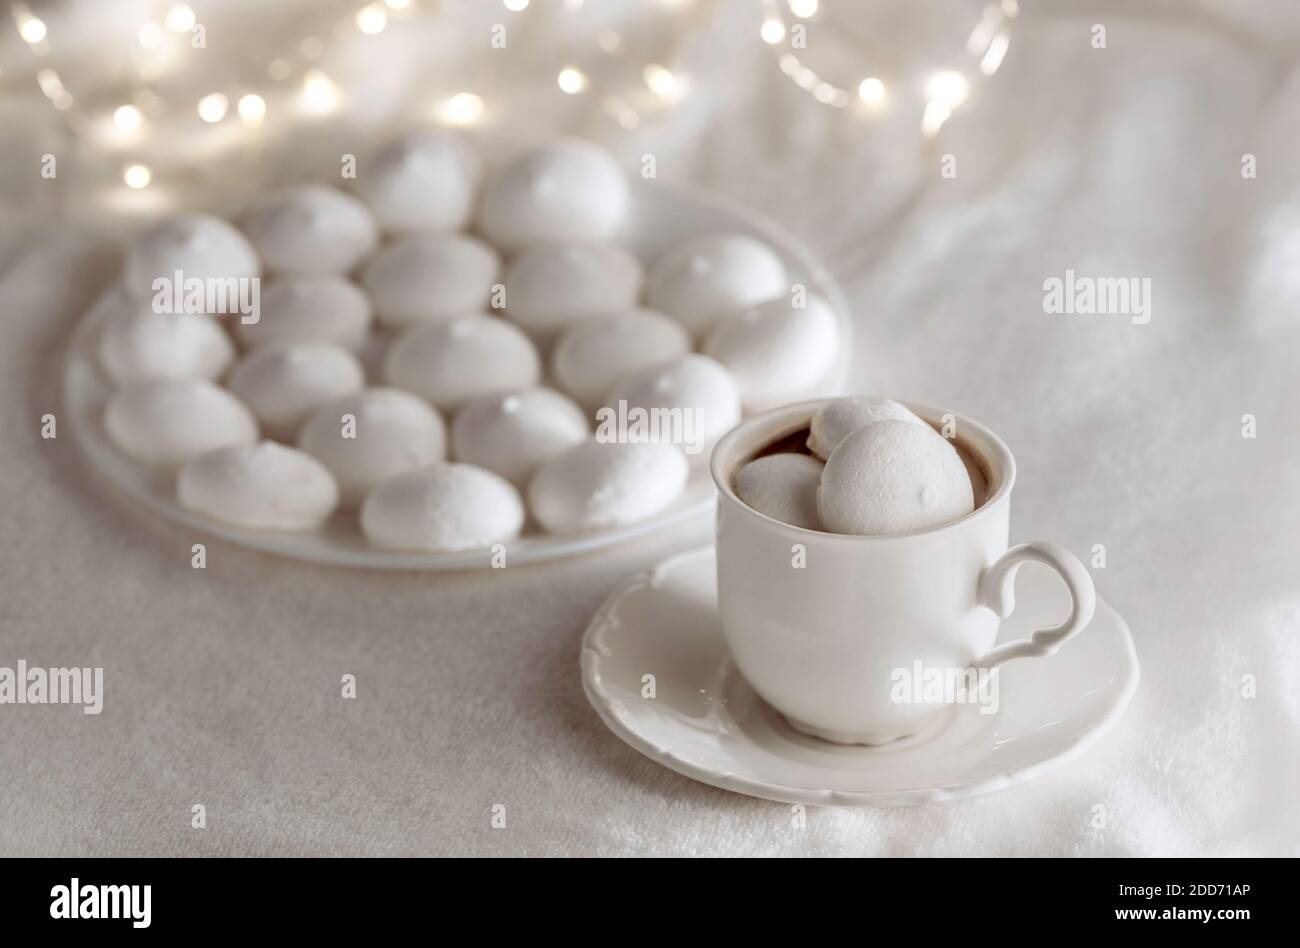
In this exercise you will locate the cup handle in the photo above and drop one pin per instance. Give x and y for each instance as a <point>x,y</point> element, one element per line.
<point>996,591</point>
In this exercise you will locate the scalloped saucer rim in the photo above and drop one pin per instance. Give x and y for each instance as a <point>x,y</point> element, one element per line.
<point>731,739</point>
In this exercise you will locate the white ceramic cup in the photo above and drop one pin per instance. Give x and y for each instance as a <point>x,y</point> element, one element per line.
<point>821,623</point>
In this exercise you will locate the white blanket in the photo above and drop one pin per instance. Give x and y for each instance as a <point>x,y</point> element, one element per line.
<point>223,686</point>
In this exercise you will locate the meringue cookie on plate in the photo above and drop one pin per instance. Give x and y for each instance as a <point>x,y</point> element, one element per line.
<point>700,388</point>
<point>451,362</point>
<point>423,182</point>
<point>777,352</point>
<point>593,355</point>
<point>599,486</point>
<point>166,422</point>
<point>568,189</point>
<point>893,477</point>
<point>708,278</point>
<point>284,382</point>
<point>312,230</point>
<point>842,416</point>
<point>513,434</point>
<point>549,285</point>
<point>368,436</point>
<point>431,277</point>
<point>148,345</point>
<point>264,486</point>
<point>199,246</point>
<point>310,309</point>
<point>115,303</point>
<point>442,508</point>
<point>784,487</point>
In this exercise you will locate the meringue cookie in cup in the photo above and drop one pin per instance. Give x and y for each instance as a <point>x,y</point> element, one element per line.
<point>891,477</point>
<point>842,416</point>
<point>424,182</point>
<point>568,189</point>
<point>311,230</point>
<point>550,285</point>
<point>442,508</point>
<point>784,487</point>
<point>148,345</point>
<point>428,278</point>
<point>594,355</point>
<point>284,382</point>
<point>515,433</point>
<point>198,246</point>
<point>310,309</point>
<point>708,278</point>
<point>693,396</point>
<point>165,422</point>
<point>451,362</point>
<point>368,436</point>
<point>600,486</point>
<point>979,484</point>
<point>264,486</point>
<point>777,352</point>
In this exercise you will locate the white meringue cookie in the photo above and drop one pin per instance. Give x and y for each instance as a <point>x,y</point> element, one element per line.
<point>784,487</point>
<point>841,416</point>
<point>892,477</point>
<point>431,277</point>
<point>391,432</point>
<point>312,230</point>
<point>310,309</point>
<point>550,285</point>
<point>423,182</point>
<point>113,304</point>
<point>566,190</point>
<point>264,486</point>
<point>979,484</point>
<point>708,278</point>
<point>513,434</point>
<point>451,362</point>
<point>442,508</point>
<point>594,355</point>
<point>148,345</point>
<point>284,382</point>
<point>778,353</point>
<point>199,246</point>
<point>166,422</point>
<point>598,486</point>
<point>703,390</point>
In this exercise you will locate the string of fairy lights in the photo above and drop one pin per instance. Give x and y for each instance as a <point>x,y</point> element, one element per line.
<point>659,86</point>
<point>174,24</point>
<point>640,87</point>
<point>945,91</point>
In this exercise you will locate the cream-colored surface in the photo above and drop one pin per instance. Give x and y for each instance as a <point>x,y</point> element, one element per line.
<point>222,687</point>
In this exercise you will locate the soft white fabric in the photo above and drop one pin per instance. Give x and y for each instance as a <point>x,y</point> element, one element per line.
<point>222,687</point>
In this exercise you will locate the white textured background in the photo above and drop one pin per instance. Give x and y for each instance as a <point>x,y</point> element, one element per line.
<point>222,685</point>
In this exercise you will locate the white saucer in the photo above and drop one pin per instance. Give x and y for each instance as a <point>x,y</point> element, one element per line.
<point>707,723</point>
<point>661,217</point>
